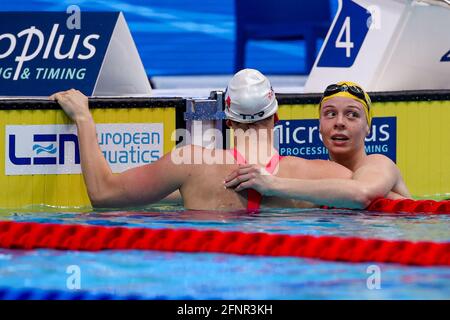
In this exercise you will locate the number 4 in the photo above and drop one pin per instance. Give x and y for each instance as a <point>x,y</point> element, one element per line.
<point>347,44</point>
<point>446,57</point>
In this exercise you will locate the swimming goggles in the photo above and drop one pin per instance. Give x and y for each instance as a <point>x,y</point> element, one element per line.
<point>353,90</point>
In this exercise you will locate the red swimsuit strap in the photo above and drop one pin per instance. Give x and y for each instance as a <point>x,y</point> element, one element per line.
<point>254,197</point>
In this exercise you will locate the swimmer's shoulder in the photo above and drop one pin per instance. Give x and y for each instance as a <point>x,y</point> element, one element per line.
<point>385,164</point>
<point>198,151</point>
<point>194,158</point>
<point>380,161</point>
<point>379,158</point>
<point>290,162</point>
<point>315,169</point>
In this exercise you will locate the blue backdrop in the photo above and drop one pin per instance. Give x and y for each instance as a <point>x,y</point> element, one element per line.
<point>184,37</point>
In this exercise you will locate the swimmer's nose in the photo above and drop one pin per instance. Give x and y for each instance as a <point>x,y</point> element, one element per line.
<point>340,122</point>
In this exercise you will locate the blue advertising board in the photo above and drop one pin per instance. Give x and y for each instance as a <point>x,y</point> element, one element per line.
<point>347,36</point>
<point>45,52</point>
<point>301,138</point>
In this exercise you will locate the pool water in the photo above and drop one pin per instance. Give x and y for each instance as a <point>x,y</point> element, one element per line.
<point>154,274</point>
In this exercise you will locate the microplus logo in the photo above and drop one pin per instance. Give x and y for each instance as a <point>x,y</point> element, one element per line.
<point>48,51</point>
<point>54,149</point>
<point>301,138</point>
<point>42,52</point>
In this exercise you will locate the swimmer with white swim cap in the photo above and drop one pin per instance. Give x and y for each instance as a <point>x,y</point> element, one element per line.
<point>249,97</point>
<point>250,105</point>
<point>345,118</point>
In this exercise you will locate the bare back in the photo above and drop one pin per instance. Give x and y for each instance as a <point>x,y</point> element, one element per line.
<point>203,186</point>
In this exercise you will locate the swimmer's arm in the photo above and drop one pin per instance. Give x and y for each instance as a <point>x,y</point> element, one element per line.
<point>322,192</point>
<point>96,171</point>
<point>373,180</point>
<point>136,186</point>
<point>397,196</point>
<point>379,176</point>
<point>144,185</point>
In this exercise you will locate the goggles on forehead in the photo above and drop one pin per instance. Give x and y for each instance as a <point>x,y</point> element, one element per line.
<point>352,89</point>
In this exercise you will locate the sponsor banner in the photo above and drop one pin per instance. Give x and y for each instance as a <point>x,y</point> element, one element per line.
<point>45,52</point>
<point>40,55</point>
<point>385,45</point>
<point>54,149</point>
<point>346,37</point>
<point>301,138</point>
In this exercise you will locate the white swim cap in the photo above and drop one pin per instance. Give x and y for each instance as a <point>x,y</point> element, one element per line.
<point>249,97</point>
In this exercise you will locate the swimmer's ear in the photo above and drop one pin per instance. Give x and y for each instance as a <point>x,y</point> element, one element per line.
<point>368,131</point>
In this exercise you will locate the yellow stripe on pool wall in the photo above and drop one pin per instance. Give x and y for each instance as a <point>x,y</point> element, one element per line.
<point>422,148</point>
<point>65,190</point>
<point>423,141</point>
